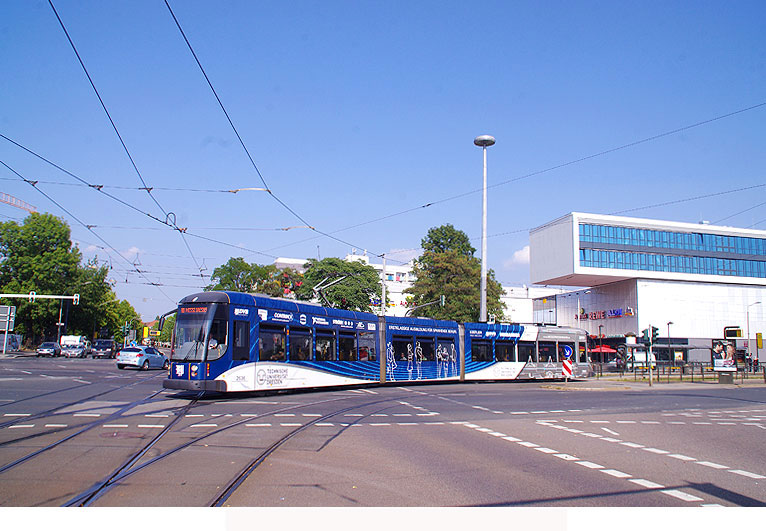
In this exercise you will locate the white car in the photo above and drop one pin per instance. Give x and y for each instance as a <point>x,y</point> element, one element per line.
<point>143,358</point>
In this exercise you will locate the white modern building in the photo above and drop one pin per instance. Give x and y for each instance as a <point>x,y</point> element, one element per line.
<point>688,280</point>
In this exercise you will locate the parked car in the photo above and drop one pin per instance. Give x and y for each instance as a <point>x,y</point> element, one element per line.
<point>142,357</point>
<point>103,348</point>
<point>49,348</point>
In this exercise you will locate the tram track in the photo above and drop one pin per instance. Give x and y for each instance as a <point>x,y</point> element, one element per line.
<point>50,412</point>
<point>130,466</point>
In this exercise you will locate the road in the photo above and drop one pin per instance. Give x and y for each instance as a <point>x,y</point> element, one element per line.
<point>69,425</point>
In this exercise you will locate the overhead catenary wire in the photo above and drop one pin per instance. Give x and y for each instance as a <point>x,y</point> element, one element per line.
<point>117,132</point>
<point>242,143</point>
<point>550,169</point>
<point>83,224</point>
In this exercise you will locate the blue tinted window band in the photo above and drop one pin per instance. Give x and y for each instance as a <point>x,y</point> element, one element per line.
<point>699,265</point>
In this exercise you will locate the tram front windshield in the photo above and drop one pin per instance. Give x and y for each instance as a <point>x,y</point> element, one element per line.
<point>200,333</point>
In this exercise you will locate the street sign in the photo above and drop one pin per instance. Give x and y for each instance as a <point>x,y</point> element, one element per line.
<point>566,368</point>
<point>7,318</point>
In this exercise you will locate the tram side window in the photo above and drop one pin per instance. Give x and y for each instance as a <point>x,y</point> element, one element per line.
<point>367,346</point>
<point>567,348</point>
<point>504,351</point>
<point>347,347</point>
<point>218,332</point>
<point>300,344</point>
<point>481,351</point>
<point>271,343</point>
<point>547,351</point>
<point>241,350</point>
<point>527,352</point>
<point>402,348</point>
<point>583,353</point>
<point>426,349</point>
<point>325,350</point>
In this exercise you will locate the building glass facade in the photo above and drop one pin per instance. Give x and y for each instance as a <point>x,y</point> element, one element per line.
<point>614,247</point>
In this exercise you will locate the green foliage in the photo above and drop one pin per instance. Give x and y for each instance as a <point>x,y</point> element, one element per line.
<point>447,267</point>
<point>352,293</point>
<point>447,238</point>
<point>238,275</point>
<point>38,256</point>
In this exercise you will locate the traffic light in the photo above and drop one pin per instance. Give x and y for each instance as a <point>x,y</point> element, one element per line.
<point>645,336</point>
<point>442,301</point>
<point>76,299</point>
<point>32,296</point>
<point>655,330</point>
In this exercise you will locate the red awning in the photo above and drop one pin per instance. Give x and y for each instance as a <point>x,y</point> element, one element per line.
<point>606,349</point>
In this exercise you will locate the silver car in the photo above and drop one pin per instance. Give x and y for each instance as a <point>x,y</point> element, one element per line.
<point>142,357</point>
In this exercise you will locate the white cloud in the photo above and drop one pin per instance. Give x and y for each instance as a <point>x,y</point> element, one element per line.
<point>519,258</point>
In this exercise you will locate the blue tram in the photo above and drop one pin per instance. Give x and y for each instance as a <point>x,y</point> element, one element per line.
<point>229,342</point>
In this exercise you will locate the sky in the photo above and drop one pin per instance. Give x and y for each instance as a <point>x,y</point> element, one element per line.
<point>359,114</point>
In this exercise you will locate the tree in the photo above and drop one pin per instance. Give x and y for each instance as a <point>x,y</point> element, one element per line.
<point>238,275</point>
<point>447,267</point>
<point>38,255</point>
<point>355,292</point>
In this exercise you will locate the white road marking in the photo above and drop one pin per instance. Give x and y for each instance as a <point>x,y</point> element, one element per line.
<point>656,451</point>
<point>204,426</point>
<point>610,431</point>
<point>528,444</point>
<point>747,474</point>
<point>682,457</point>
<point>611,439</point>
<point>17,415</point>
<point>264,425</point>
<point>114,426</point>
<point>196,415</point>
<point>511,439</point>
<point>646,483</point>
<point>325,424</point>
<point>87,415</point>
<point>380,424</point>
<point>615,473</point>
<point>567,457</point>
<point>712,465</point>
<point>632,445</point>
<point>311,415</point>
<point>626,422</point>
<point>290,424</point>
<point>546,450</point>
<point>681,495</point>
<point>293,414</point>
<point>497,434</point>
<point>17,426</point>
<point>56,425</point>
<point>151,425</point>
<point>588,464</point>
<point>157,415</point>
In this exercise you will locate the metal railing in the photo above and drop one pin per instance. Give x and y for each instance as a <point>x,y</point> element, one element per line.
<point>676,371</point>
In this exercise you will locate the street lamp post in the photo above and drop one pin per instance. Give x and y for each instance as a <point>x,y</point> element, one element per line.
<point>484,141</point>
<point>749,350</point>
<point>600,343</point>
<point>669,357</point>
